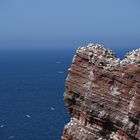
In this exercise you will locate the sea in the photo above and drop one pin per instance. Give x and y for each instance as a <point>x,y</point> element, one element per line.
<point>32,83</point>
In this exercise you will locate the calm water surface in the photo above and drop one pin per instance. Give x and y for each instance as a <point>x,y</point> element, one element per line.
<point>31,93</point>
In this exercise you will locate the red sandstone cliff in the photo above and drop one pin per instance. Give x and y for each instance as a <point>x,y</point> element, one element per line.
<point>102,94</point>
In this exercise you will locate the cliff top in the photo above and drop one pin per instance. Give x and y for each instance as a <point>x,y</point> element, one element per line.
<point>97,51</point>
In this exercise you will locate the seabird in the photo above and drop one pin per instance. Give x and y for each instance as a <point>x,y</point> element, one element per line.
<point>52,108</point>
<point>28,116</point>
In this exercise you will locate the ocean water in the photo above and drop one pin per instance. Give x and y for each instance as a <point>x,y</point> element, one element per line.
<point>31,93</point>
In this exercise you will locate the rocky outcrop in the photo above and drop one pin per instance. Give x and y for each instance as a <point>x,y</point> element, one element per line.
<point>102,95</point>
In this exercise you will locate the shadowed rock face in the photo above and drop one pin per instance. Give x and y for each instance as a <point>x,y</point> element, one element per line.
<point>102,95</point>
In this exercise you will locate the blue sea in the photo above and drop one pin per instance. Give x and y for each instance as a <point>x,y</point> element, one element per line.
<point>31,92</point>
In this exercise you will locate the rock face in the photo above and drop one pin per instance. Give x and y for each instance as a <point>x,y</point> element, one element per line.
<point>102,95</point>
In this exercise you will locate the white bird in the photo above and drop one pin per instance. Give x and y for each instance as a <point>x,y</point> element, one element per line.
<point>3,125</point>
<point>11,137</point>
<point>28,116</point>
<point>52,108</point>
<point>58,62</point>
<point>60,72</point>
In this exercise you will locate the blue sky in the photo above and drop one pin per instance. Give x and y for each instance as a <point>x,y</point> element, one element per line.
<point>70,20</point>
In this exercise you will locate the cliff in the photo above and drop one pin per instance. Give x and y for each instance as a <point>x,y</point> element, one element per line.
<point>102,95</point>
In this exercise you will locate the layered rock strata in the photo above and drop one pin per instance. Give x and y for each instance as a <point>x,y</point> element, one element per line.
<point>102,95</point>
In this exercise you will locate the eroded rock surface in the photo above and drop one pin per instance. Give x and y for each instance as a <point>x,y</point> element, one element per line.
<point>102,94</point>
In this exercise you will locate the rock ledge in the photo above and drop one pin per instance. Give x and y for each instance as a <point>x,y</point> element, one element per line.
<point>102,95</point>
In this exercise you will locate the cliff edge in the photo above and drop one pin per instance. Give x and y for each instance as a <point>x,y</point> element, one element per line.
<point>102,95</point>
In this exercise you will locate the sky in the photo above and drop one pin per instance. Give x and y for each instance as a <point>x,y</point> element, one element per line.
<point>79,21</point>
